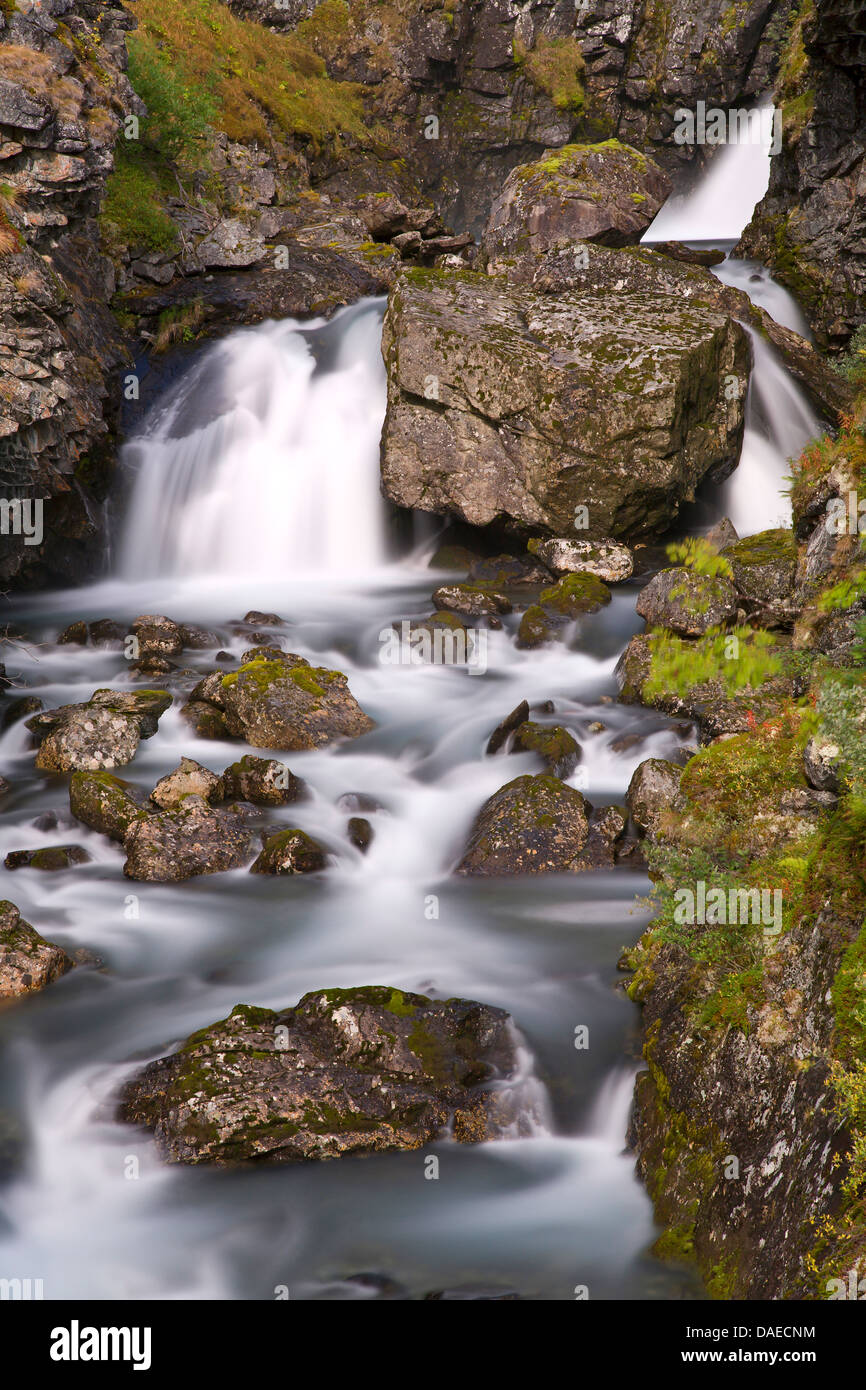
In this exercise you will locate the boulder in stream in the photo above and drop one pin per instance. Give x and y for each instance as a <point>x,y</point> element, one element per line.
<point>346,1071</point>
<point>27,961</point>
<point>284,703</point>
<point>189,779</point>
<point>533,825</point>
<point>102,733</point>
<point>508,405</point>
<point>192,839</point>
<point>686,602</point>
<point>263,781</point>
<point>290,851</point>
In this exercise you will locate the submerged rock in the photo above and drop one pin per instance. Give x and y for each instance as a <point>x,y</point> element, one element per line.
<point>363,1070</point>
<point>27,961</point>
<point>533,825</point>
<point>50,858</point>
<point>193,839</point>
<point>509,405</point>
<point>283,704</point>
<point>687,603</point>
<point>290,851</point>
<point>360,833</point>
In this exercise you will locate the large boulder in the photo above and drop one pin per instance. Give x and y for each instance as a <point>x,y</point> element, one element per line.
<point>193,839</point>
<point>189,779</point>
<point>102,733</point>
<point>653,793</point>
<point>345,1071</point>
<point>508,405</point>
<point>607,193</point>
<point>533,825</point>
<point>764,566</point>
<point>27,961</point>
<point>686,602</point>
<point>285,704</point>
<point>264,781</point>
<point>611,562</point>
<point>105,803</point>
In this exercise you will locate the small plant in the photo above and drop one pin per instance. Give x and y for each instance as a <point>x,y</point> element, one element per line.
<point>698,555</point>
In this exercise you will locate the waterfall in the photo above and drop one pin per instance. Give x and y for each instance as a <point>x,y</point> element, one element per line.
<point>265,458</point>
<point>719,208</point>
<point>779,424</point>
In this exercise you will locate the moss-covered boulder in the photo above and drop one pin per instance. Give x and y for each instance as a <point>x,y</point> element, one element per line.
<point>263,781</point>
<point>205,720</point>
<point>537,627</point>
<point>287,704</point>
<point>104,732</point>
<point>533,825</point>
<point>512,406</point>
<point>193,839</point>
<point>189,779</point>
<point>607,193</point>
<point>105,803</point>
<point>686,602</point>
<point>555,745</point>
<point>27,961</point>
<point>575,594</point>
<point>346,1071</point>
<point>50,858</point>
<point>764,566</point>
<point>290,851</point>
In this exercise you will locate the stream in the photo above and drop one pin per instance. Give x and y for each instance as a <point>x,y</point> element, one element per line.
<point>253,483</point>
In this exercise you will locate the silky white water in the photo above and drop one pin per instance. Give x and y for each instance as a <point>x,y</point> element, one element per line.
<point>254,484</point>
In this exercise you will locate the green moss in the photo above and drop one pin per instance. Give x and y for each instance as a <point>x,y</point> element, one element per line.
<point>132,213</point>
<point>576,593</point>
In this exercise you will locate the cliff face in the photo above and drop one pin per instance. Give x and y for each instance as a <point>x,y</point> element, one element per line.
<point>63,95</point>
<point>811,226</point>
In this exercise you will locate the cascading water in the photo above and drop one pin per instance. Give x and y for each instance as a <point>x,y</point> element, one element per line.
<point>259,467</point>
<point>265,458</point>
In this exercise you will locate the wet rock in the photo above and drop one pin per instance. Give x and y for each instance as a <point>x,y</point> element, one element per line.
<point>189,779</point>
<point>230,245</point>
<point>686,602</point>
<point>363,1070</point>
<point>269,653</point>
<point>453,557</point>
<point>210,690</point>
<point>5,786</point>
<point>50,858</point>
<point>472,601</point>
<point>507,571</point>
<point>360,833</point>
<point>103,733</point>
<point>821,764</point>
<point>532,825</point>
<point>105,803</point>
<point>280,704</point>
<point>198,638</point>
<point>27,961</point>
<point>194,839</point>
<point>74,635</point>
<point>157,636</point>
<point>723,533</point>
<point>263,781</point>
<point>764,565</point>
<point>509,405</point>
<point>606,827</point>
<point>358,801</point>
<point>555,745</point>
<point>105,632</point>
<point>574,595</point>
<point>290,851</point>
<point>512,721</point>
<point>607,193</point>
<point>206,720</point>
<point>255,618</point>
<point>609,561</point>
<point>538,627</point>
<point>653,792</point>
<point>21,709</point>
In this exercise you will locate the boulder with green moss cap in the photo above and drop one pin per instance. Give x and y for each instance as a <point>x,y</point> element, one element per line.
<point>346,1071</point>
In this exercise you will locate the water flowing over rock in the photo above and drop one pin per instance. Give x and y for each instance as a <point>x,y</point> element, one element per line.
<point>365,1070</point>
<point>505,405</point>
